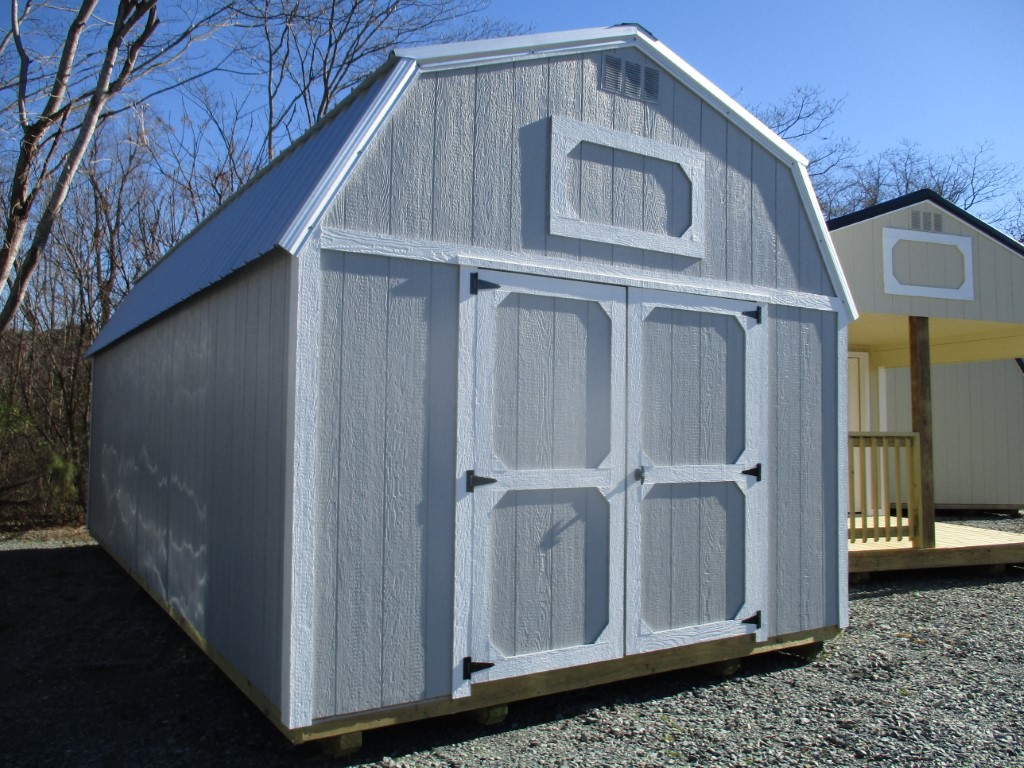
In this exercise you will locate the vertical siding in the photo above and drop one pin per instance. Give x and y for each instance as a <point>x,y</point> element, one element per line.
<point>804,591</point>
<point>469,153</point>
<point>978,430</point>
<point>187,476</point>
<point>998,273</point>
<point>385,482</point>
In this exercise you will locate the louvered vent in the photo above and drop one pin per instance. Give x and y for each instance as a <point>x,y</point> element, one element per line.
<point>612,80</point>
<point>633,75</point>
<point>630,78</point>
<point>652,83</point>
<point>926,221</point>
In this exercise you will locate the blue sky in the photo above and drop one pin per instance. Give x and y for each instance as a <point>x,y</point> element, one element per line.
<point>944,74</point>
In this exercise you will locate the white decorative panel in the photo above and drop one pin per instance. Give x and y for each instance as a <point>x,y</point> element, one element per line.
<point>927,264</point>
<point>663,209</point>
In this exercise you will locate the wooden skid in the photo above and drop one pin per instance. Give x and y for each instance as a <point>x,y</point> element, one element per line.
<point>490,699</point>
<point>502,692</point>
<point>956,545</point>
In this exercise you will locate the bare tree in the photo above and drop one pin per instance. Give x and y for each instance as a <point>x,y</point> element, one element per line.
<point>305,55</point>
<point>971,177</point>
<point>63,71</point>
<point>806,117</point>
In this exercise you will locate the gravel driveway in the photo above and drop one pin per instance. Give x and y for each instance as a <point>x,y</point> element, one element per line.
<point>931,673</point>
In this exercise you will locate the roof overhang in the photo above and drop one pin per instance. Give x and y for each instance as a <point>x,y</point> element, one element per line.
<point>886,338</point>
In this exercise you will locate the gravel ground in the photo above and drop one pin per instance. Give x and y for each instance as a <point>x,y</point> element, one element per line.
<point>930,673</point>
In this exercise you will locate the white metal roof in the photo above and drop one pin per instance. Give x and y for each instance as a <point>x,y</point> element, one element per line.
<point>268,213</point>
<point>280,207</point>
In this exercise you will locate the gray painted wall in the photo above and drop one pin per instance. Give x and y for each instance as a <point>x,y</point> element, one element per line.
<point>188,462</point>
<point>464,160</point>
<point>978,430</point>
<point>385,482</point>
<point>804,517</point>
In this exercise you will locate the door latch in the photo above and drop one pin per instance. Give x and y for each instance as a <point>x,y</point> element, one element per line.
<point>639,475</point>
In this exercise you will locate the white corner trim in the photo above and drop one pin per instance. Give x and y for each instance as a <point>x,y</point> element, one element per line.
<point>299,534</point>
<point>891,237</point>
<point>567,134</point>
<point>335,175</point>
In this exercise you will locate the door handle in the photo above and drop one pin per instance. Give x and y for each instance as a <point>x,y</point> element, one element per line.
<point>639,475</point>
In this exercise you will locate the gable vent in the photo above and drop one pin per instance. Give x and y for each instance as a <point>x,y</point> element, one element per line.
<point>633,74</point>
<point>926,221</point>
<point>612,80</point>
<point>652,83</point>
<point>630,78</point>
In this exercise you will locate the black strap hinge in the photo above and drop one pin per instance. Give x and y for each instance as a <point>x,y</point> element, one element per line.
<point>476,284</point>
<point>754,472</point>
<point>469,667</point>
<point>473,480</point>
<point>754,314</point>
<point>755,620</point>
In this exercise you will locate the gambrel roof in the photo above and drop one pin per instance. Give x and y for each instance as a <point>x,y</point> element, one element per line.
<point>282,205</point>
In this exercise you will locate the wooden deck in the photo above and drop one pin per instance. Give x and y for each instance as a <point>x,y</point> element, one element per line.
<point>955,545</point>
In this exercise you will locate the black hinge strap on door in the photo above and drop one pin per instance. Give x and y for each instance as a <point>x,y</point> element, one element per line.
<point>473,480</point>
<point>754,472</point>
<point>754,314</point>
<point>469,667</point>
<point>755,620</point>
<point>476,284</point>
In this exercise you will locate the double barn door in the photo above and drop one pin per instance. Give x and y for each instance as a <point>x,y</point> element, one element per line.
<point>613,466</point>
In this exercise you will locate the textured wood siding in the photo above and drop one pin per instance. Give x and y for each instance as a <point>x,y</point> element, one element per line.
<point>978,423</point>
<point>998,272</point>
<point>385,482</point>
<point>464,160</point>
<point>188,463</point>
<point>803,591</point>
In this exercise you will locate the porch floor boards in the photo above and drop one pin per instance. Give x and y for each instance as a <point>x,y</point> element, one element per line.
<point>955,545</point>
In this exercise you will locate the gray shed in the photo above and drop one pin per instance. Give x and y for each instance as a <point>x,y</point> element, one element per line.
<point>524,370</point>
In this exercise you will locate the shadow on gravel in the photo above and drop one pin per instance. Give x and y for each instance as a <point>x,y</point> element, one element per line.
<point>95,674</point>
<point>904,582</point>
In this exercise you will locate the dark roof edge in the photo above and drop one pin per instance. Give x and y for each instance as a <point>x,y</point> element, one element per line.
<point>925,195</point>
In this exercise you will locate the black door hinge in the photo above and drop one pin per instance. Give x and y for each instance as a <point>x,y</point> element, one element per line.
<point>755,620</point>
<point>639,475</point>
<point>469,667</point>
<point>473,480</point>
<point>754,472</point>
<point>476,284</point>
<point>755,314</point>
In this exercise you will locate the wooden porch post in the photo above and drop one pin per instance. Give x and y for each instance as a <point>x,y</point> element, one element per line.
<point>921,418</point>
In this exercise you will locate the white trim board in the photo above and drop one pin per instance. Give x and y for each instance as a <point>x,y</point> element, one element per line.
<point>336,173</point>
<point>567,134</point>
<point>892,236</point>
<point>502,50</point>
<point>347,241</point>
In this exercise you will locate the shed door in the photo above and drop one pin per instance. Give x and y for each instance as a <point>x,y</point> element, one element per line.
<point>696,367</point>
<point>544,506</point>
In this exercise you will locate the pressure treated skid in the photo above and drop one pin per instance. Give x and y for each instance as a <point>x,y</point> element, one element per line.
<point>520,372</point>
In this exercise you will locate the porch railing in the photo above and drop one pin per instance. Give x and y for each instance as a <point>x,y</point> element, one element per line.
<point>885,487</point>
